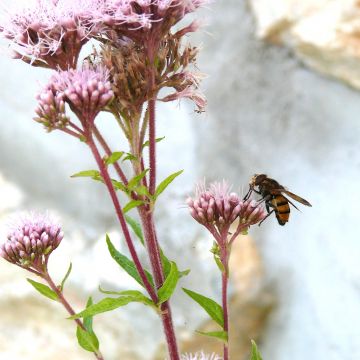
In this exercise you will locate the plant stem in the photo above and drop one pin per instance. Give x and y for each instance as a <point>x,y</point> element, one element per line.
<point>67,306</point>
<point>153,250</point>
<point>225,311</point>
<point>107,180</point>
<point>225,255</point>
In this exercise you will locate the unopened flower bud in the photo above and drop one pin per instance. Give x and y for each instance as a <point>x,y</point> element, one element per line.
<point>30,241</point>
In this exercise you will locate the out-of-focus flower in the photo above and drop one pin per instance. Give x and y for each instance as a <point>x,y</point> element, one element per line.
<point>217,209</point>
<point>50,33</point>
<point>200,356</point>
<point>30,241</point>
<point>86,91</point>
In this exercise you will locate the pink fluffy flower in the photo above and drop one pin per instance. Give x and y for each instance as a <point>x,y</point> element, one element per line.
<point>217,208</point>
<point>30,241</point>
<point>200,356</point>
<point>87,91</point>
<point>50,33</point>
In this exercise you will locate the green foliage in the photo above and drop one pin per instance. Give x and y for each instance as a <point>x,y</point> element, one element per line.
<point>220,335</point>
<point>147,143</point>
<point>87,339</point>
<point>93,174</point>
<point>132,204</point>
<point>210,306</point>
<point>44,290</point>
<point>169,284</point>
<point>136,228</point>
<point>104,305</point>
<point>255,354</point>
<point>165,183</point>
<point>61,287</point>
<point>135,181</point>
<point>114,157</point>
<point>127,264</point>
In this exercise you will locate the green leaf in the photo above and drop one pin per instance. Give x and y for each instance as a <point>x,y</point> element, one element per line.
<point>136,228</point>
<point>105,305</point>
<point>132,204</point>
<point>142,190</point>
<point>169,284</point>
<point>210,306</point>
<point>130,157</point>
<point>44,290</point>
<point>165,183</point>
<point>166,263</point>
<point>135,181</point>
<point>119,186</point>
<point>127,264</point>
<point>114,157</point>
<point>255,354</point>
<point>136,294</point>
<point>184,273</point>
<point>94,174</point>
<point>219,263</point>
<point>147,143</point>
<point>88,320</point>
<point>221,335</point>
<point>87,340</point>
<point>65,277</point>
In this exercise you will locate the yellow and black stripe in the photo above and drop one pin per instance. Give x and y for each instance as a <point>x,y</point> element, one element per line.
<point>282,208</point>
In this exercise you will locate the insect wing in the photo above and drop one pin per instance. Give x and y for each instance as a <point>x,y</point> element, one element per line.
<point>296,197</point>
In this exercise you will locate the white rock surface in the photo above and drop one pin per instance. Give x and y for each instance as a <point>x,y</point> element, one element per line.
<point>324,34</point>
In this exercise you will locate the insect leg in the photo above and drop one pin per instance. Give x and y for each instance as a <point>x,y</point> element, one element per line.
<point>266,216</point>
<point>247,196</point>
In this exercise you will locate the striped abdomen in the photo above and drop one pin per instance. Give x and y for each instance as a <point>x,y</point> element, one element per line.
<point>282,208</point>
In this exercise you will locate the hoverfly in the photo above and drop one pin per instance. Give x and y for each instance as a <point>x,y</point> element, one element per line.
<point>273,195</point>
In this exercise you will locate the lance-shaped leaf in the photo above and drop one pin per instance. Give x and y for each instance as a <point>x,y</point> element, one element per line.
<point>114,157</point>
<point>136,228</point>
<point>255,354</point>
<point>132,204</point>
<point>65,277</point>
<point>87,339</point>
<point>147,143</point>
<point>210,306</point>
<point>220,335</point>
<point>94,174</point>
<point>104,305</point>
<point>43,290</point>
<point>165,183</point>
<point>169,285</point>
<point>127,264</point>
<point>135,293</point>
<point>135,181</point>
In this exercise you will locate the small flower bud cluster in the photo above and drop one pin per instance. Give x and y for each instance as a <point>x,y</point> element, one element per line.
<point>86,91</point>
<point>217,208</point>
<point>200,356</point>
<point>31,241</point>
<point>51,109</point>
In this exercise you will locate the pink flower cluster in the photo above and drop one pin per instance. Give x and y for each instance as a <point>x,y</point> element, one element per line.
<point>217,209</point>
<point>31,240</point>
<point>51,33</point>
<point>200,356</point>
<point>86,91</point>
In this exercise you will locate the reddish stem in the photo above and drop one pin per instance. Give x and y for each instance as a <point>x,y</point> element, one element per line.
<point>152,146</point>
<point>107,180</point>
<point>225,311</point>
<point>67,306</point>
<point>224,281</point>
<point>153,249</point>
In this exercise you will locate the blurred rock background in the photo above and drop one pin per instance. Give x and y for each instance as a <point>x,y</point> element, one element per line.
<point>279,103</point>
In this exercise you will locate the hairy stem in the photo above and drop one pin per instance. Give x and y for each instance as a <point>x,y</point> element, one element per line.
<point>153,249</point>
<point>119,213</point>
<point>225,254</point>
<point>67,306</point>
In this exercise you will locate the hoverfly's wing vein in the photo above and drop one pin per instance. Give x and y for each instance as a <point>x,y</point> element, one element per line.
<point>297,198</point>
<point>291,203</point>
